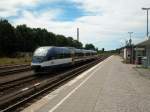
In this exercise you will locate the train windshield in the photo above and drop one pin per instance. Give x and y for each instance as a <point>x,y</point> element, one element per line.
<point>42,51</point>
<point>40,54</point>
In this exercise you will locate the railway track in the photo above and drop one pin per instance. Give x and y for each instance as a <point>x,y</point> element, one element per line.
<point>6,70</point>
<point>19,97</point>
<point>12,84</point>
<point>21,82</point>
<point>22,79</point>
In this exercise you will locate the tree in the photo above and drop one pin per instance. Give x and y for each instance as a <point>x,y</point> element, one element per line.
<point>70,41</point>
<point>77,44</point>
<point>103,49</point>
<point>26,39</point>
<point>96,49</point>
<point>61,40</point>
<point>89,47</point>
<point>7,38</point>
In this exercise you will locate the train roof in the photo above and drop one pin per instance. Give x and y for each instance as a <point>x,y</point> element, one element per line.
<point>45,49</point>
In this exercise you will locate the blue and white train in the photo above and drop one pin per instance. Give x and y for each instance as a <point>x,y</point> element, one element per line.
<point>50,57</point>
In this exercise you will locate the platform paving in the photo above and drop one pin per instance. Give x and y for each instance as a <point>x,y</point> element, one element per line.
<point>110,86</point>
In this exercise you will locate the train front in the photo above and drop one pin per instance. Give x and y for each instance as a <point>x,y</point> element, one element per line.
<point>39,57</point>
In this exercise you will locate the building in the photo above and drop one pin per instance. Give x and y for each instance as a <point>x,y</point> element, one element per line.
<point>142,53</point>
<point>127,53</point>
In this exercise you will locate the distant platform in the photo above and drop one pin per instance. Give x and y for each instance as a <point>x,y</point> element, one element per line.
<point>110,86</point>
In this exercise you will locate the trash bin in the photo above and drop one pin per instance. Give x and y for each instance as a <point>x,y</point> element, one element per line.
<point>144,62</point>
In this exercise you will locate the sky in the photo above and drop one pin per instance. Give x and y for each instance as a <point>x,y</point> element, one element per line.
<point>104,23</point>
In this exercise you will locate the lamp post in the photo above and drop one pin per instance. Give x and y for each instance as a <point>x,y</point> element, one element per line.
<point>147,9</point>
<point>130,40</point>
<point>131,47</point>
<point>78,34</point>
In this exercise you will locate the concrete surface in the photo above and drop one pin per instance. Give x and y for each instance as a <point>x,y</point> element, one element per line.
<point>145,72</point>
<point>110,86</point>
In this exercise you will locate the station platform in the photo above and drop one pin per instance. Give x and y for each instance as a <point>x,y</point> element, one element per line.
<point>110,86</point>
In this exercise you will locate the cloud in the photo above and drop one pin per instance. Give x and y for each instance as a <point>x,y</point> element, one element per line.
<point>106,23</point>
<point>11,7</point>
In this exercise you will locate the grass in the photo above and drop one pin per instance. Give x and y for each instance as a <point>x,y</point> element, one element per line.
<point>12,61</point>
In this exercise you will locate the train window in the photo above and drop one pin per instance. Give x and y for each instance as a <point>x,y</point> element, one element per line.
<point>42,51</point>
<point>50,57</point>
<point>51,54</point>
<point>60,56</point>
<point>78,53</point>
<point>59,53</point>
<point>67,53</point>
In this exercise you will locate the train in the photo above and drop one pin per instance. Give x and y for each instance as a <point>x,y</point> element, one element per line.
<point>48,58</point>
